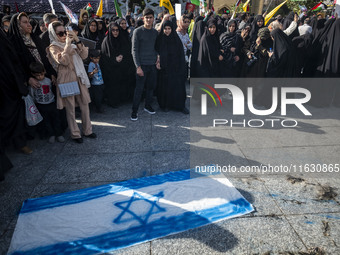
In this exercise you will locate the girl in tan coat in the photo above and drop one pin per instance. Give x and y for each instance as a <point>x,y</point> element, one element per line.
<point>66,58</point>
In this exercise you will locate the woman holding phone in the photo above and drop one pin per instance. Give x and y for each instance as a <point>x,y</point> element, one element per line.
<point>66,53</point>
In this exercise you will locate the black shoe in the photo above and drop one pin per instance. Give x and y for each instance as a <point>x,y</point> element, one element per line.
<point>185,110</point>
<point>78,140</point>
<point>93,135</point>
<point>149,109</point>
<point>134,116</point>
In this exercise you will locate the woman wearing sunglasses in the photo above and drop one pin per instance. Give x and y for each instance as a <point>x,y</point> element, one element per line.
<point>66,53</point>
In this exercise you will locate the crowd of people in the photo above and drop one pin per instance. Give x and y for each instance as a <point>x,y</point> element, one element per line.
<point>144,57</point>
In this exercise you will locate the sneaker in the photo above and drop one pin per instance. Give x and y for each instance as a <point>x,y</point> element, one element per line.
<point>60,139</point>
<point>93,135</point>
<point>134,116</point>
<point>185,110</point>
<point>51,139</point>
<point>78,140</point>
<point>26,150</point>
<point>149,109</point>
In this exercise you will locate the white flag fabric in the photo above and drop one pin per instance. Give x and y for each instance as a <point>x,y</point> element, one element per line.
<point>72,16</point>
<point>113,216</point>
<point>51,4</point>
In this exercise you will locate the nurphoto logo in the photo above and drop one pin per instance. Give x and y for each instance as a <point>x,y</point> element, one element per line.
<point>280,98</point>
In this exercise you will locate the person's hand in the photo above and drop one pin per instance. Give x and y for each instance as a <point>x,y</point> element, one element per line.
<point>73,35</point>
<point>270,53</point>
<point>232,49</point>
<point>250,54</point>
<point>119,58</point>
<point>140,71</point>
<point>95,70</point>
<point>236,58</point>
<point>220,58</point>
<point>69,39</point>
<point>258,41</point>
<point>296,18</point>
<point>34,83</point>
<point>244,33</point>
<point>54,80</point>
<point>158,66</point>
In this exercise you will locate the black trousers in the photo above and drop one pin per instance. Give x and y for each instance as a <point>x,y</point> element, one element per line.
<point>97,94</point>
<point>51,123</point>
<point>149,80</point>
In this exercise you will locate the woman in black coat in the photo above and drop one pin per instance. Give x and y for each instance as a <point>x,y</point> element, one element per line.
<point>117,67</point>
<point>210,54</point>
<point>282,60</point>
<point>231,43</point>
<point>12,107</point>
<point>171,92</point>
<point>91,32</point>
<point>28,47</point>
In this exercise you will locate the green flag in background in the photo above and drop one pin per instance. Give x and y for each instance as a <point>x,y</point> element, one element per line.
<point>118,11</point>
<point>197,2</point>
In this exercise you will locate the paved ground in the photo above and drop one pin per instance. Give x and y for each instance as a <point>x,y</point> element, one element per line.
<point>294,215</point>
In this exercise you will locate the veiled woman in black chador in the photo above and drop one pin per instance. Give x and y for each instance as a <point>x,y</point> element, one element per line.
<point>117,67</point>
<point>282,61</point>
<point>210,54</point>
<point>91,32</point>
<point>171,92</point>
<point>12,107</point>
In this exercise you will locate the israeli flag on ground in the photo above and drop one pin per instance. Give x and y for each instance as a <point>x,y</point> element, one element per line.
<point>114,216</point>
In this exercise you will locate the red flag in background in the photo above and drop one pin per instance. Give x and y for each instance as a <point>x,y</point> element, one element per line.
<point>16,6</point>
<point>190,7</point>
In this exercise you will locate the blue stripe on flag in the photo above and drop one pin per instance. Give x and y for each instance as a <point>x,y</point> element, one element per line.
<point>37,204</point>
<point>152,230</point>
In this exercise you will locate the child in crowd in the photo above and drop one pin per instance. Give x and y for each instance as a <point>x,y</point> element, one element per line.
<point>97,83</point>
<point>45,102</point>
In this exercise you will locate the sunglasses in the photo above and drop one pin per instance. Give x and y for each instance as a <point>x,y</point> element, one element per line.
<point>61,34</point>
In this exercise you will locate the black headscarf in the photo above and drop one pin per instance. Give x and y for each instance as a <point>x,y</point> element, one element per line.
<point>94,36</point>
<point>167,47</point>
<point>209,52</point>
<point>86,33</point>
<point>281,64</point>
<point>255,28</point>
<point>102,32</point>
<point>331,63</point>
<point>23,51</point>
<point>227,39</point>
<point>174,22</point>
<point>112,46</point>
<point>124,32</point>
<point>197,34</point>
<point>288,20</point>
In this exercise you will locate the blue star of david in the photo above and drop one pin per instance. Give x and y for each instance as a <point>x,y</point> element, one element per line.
<point>142,219</point>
